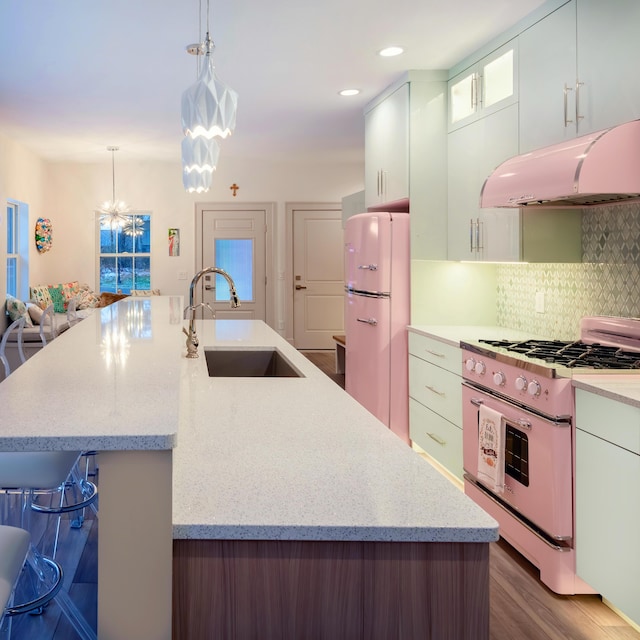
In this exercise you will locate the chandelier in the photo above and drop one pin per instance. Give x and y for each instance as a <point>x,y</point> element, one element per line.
<point>113,212</point>
<point>208,112</point>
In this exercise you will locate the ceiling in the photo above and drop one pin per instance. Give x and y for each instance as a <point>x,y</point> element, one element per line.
<point>77,76</point>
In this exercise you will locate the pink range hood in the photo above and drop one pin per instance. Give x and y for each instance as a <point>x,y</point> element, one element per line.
<point>599,168</point>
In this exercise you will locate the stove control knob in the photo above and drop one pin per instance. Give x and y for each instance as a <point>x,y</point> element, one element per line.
<point>521,383</point>
<point>499,378</point>
<point>534,388</point>
<point>480,368</point>
<point>470,364</point>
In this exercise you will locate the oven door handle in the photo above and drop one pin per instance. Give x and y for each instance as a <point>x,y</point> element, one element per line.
<point>520,422</point>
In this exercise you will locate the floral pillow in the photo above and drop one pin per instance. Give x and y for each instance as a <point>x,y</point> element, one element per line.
<point>87,300</point>
<point>70,289</point>
<point>41,296</point>
<point>18,309</point>
<point>60,303</point>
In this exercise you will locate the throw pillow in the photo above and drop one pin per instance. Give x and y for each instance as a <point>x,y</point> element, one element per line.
<point>70,290</point>
<point>59,301</point>
<point>35,313</point>
<point>87,300</point>
<point>41,296</point>
<point>144,293</point>
<point>18,309</point>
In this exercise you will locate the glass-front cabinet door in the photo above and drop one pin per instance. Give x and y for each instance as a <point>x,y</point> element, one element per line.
<point>485,87</point>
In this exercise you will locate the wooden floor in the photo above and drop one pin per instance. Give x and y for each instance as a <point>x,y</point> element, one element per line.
<point>522,608</point>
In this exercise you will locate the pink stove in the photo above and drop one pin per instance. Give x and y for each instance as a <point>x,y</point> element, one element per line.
<point>528,384</point>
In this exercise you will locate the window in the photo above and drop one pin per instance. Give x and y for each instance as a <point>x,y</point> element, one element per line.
<point>17,250</point>
<point>125,254</point>
<point>235,256</point>
<point>12,250</point>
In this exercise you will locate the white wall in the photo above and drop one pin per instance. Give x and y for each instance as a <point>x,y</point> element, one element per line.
<point>68,194</point>
<point>21,178</point>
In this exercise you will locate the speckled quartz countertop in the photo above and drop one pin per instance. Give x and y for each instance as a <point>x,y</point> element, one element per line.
<point>253,458</point>
<point>299,459</point>
<point>623,387</point>
<point>111,382</point>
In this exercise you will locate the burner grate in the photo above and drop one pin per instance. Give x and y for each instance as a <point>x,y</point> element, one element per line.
<point>576,354</point>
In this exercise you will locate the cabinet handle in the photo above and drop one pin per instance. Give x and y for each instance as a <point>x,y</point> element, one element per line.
<point>474,92</point>
<point>440,441</point>
<point>471,235</point>
<point>383,183</point>
<point>378,183</point>
<point>479,246</point>
<point>566,105</point>
<point>433,353</point>
<point>442,394</point>
<point>578,116</point>
<point>372,321</point>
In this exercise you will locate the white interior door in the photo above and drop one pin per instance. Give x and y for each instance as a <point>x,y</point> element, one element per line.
<point>318,278</point>
<point>236,242</point>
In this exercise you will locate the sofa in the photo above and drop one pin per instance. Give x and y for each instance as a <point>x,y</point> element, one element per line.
<point>69,303</point>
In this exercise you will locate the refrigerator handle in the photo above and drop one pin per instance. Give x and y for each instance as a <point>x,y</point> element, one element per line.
<point>372,321</point>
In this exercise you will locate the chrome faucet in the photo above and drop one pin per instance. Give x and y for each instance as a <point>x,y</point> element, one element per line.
<point>190,311</point>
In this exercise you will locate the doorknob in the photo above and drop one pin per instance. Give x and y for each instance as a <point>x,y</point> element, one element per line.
<point>299,286</point>
<point>209,287</point>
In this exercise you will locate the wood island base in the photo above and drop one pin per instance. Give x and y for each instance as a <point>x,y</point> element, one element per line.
<point>237,589</point>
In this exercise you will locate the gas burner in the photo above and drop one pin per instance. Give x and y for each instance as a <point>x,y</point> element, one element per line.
<point>576,354</point>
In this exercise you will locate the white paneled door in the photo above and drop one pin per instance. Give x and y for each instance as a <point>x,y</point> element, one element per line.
<point>235,241</point>
<point>318,277</point>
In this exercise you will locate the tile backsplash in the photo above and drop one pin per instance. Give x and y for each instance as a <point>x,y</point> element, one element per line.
<point>607,282</point>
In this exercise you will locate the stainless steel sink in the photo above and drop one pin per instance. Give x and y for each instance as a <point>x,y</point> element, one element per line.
<point>249,363</point>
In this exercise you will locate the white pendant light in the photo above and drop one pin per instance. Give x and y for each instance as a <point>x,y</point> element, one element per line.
<point>199,160</point>
<point>199,154</point>
<point>208,106</point>
<point>195,182</point>
<point>113,212</point>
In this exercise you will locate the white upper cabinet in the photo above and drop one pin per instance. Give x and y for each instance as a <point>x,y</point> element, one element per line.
<point>608,54</point>
<point>405,156</point>
<point>474,151</point>
<point>488,85</point>
<point>548,80</point>
<point>386,149</point>
<point>576,74</point>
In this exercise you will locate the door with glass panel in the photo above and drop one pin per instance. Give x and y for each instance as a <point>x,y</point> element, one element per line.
<point>234,241</point>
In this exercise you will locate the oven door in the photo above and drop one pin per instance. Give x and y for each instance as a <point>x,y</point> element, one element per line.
<point>538,462</point>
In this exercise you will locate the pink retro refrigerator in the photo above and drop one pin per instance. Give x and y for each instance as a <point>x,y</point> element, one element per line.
<point>377,314</point>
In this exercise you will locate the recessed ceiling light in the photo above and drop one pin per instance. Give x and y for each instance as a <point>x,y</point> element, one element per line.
<point>349,92</point>
<point>388,52</point>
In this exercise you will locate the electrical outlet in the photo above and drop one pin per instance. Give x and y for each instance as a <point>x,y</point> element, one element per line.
<point>539,301</point>
<point>182,275</point>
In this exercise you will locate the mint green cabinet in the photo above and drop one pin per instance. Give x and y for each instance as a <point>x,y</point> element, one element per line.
<point>608,499</point>
<point>435,400</point>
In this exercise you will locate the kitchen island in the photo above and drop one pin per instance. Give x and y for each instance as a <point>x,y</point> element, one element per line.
<point>285,506</point>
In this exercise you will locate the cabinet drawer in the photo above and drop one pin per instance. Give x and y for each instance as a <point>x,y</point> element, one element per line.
<point>439,353</point>
<point>613,421</point>
<point>437,436</point>
<point>437,389</point>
